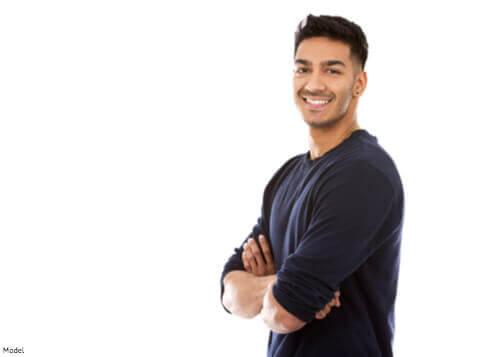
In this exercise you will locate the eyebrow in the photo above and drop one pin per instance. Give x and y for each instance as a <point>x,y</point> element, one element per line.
<point>324,63</point>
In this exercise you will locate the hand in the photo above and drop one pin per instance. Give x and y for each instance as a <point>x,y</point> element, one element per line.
<point>252,258</point>
<point>326,310</point>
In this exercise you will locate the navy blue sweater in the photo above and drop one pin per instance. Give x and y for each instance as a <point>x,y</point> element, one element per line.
<point>334,223</point>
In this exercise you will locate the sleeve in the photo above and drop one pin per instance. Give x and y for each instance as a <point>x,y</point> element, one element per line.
<point>350,207</point>
<point>235,262</point>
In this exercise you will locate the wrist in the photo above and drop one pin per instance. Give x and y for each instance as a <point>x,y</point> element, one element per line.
<point>265,284</point>
<point>271,280</point>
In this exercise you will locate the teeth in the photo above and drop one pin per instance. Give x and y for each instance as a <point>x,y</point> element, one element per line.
<point>316,101</point>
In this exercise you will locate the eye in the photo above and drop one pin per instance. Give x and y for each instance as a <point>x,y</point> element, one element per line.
<point>300,70</point>
<point>333,71</point>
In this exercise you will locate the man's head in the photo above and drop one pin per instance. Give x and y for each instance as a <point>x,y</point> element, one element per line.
<point>335,28</point>
<point>330,56</point>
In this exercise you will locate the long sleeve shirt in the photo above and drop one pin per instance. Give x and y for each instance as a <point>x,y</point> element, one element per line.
<point>334,223</point>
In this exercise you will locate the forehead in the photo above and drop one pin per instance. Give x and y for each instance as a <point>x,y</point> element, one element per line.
<point>319,49</point>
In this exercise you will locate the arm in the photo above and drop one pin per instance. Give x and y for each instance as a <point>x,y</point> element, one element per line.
<point>273,314</point>
<point>244,292</point>
<point>276,317</point>
<point>235,262</point>
<point>348,224</point>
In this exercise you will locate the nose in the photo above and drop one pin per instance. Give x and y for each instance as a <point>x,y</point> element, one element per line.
<point>315,84</point>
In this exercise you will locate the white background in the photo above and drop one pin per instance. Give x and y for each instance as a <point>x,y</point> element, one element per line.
<point>136,139</point>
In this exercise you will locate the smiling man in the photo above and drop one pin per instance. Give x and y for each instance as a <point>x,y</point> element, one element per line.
<point>331,218</point>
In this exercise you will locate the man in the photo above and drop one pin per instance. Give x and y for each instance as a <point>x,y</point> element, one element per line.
<point>331,218</point>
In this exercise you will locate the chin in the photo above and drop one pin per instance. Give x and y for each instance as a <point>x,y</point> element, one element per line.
<point>321,123</point>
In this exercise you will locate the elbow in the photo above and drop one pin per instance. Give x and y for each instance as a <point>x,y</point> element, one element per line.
<point>227,302</point>
<point>283,324</point>
<point>292,324</point>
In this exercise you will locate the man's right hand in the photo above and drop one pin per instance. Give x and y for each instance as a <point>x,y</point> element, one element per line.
<point>252,258</point>
<point>326,310</point>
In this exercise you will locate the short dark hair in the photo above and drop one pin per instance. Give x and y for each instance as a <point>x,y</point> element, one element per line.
<point>335,28</point>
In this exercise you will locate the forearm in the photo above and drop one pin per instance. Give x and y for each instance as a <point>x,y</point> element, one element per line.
<point>276,317</point>
<point>244,292</point>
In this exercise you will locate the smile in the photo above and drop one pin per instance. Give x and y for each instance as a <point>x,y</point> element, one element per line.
<point>316,103</point>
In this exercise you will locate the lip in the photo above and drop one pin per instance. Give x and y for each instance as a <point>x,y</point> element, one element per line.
<point>316,107</point>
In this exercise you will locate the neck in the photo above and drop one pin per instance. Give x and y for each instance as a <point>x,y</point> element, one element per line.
<point>324,139</point>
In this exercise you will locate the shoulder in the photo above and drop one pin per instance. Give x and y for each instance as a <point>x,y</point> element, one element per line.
<point>356,182</point>
<point>358,172</point>
<point>354,190</point>
<point>374,154</point>
<point>361,161</point>
<point>285,168</point>
<point>281,173</point>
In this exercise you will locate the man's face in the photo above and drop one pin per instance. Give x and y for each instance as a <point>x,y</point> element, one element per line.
<point>323,80</point>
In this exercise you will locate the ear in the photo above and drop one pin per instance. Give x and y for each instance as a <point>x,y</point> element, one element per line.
<point>360,84</point>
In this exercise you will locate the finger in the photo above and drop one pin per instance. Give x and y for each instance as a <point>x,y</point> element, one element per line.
<point>246,264</point>
<point>266,250</point>
<point>244,258</point>
<point>250,258</point>
<point>251,255</point>
<point>326,309</point>
<point>320,315</point>
<point>332,301</point>
<point>336,299</point>
<point>324,312</point>
<point>336,302</point>
<point>256,254</point>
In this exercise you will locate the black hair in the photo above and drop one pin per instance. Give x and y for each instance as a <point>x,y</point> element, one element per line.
<point>335,28</point>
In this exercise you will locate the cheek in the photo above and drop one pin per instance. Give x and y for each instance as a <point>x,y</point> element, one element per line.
<point>298,84</point>
<point>344,100</point>
<point>298,100</point>
<point>340,90</point>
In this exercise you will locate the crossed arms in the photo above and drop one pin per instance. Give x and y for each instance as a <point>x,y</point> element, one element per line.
<point>249,293</point>
<point>356,211</point>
